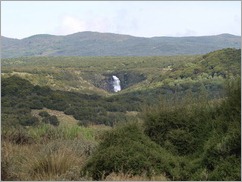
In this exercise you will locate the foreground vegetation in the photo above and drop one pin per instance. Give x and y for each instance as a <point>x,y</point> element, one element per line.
<point>176,119</point>
<point>189,140</point>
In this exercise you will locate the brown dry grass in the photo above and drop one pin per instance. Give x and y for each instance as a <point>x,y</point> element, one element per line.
<point>129,177</point>
<point>55,161</point>
<point>49,166</point>
<point>12,158</point>
<point>41,162</point>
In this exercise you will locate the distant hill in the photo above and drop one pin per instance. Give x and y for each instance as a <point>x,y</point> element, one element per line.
<point>109,44</point>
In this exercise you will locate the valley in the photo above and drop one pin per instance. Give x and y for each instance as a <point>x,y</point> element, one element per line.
<point>120,91</point>
<point>172,118</point>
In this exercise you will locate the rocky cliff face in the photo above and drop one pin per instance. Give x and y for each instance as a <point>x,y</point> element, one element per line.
<point>105,81</point>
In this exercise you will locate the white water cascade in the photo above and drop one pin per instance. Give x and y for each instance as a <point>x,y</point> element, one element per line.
<point>116,84</point>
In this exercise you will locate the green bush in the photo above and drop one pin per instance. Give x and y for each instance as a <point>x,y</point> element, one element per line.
<point>29,121</point>
<point>231,108</point>
<point>44,114</point>
<point>36,104</point>
<point>51,120</point>
<point>178,129</point>
<point>126,149</point>
<point>206,134</point>
<point>182,141</point>
<point>229,169</point>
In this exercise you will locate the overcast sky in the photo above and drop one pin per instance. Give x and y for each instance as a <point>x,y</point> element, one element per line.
<point>138,18</point>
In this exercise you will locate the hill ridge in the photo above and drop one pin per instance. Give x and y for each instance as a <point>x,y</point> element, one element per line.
<point>110,44</point>
<point>84,32</point>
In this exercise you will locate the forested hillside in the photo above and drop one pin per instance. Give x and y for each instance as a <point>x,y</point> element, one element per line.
<point>108,44</point>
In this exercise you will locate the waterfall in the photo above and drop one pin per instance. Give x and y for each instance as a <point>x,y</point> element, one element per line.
<point>116,84</point>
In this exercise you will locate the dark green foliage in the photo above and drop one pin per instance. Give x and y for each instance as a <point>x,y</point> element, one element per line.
<point>84,107</point>
<point>178,129</point>
<point>228,169</point>
<point>182,140</point>
<point>222,152</point>
<point>29,121</point>
<point>36,104</point>
<point>44,114</point>
<point>18,87</point>
<point>126,149</point>
<point>51,120</point>
<point>231,108</point>
<point>207,135</point>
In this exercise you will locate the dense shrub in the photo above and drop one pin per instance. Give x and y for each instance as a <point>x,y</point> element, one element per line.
<point>127,150</point>
<point>44,114</point>
<point>51,120</point>
<point>179,129</point>
<point>70,111</point>
<point>198,140</point>
<point>222,152</point>
<point>36,104</point>
<point>207,134</point>
<point>29,121</point>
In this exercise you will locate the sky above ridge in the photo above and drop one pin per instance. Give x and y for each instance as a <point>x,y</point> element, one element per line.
<point>21,19</point>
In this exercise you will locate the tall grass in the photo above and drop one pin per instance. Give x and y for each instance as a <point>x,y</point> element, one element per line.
<point>46,152</point>
<point>47,132</point>
<point>55,160</point>
<point>49,165</point>
<point>130,177</point>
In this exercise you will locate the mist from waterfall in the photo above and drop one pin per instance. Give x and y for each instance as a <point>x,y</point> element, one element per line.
<point>116,84</point>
